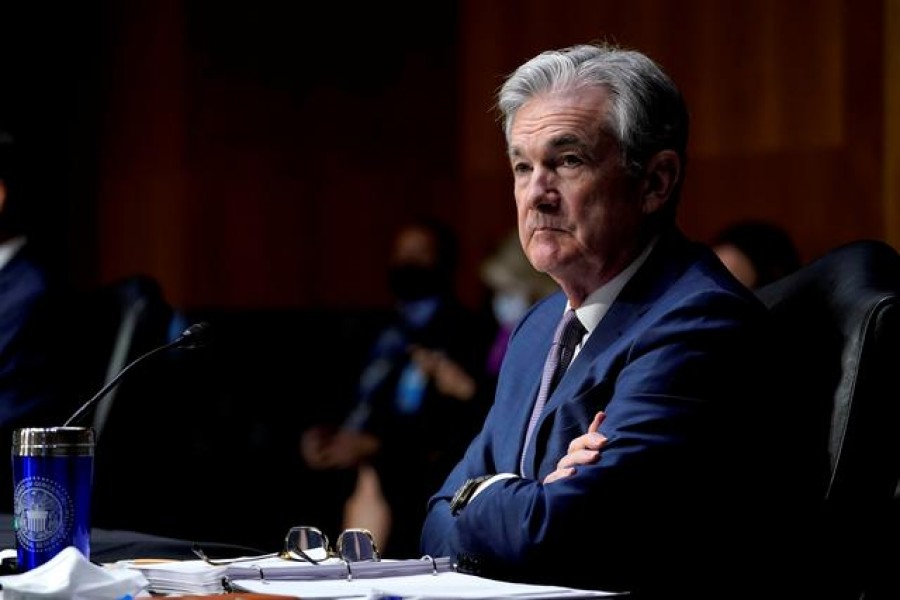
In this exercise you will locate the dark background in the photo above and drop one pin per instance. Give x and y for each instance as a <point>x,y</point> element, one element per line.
<point>260,155</point>
<point>255,159</point>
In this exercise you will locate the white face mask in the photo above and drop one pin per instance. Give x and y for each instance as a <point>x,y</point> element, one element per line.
<point>70,575</point>
<point>509,307</point>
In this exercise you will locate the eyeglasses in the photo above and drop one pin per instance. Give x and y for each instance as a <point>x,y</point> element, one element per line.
<point>309,544</point>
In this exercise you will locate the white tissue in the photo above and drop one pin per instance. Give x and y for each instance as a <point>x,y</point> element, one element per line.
<point>70,576</point>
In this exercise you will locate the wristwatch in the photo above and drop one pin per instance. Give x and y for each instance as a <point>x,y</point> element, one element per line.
<point>464,493</point>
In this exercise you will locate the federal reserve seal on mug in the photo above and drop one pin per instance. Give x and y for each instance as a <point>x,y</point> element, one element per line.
<point>52,472</point>
<point>43,513</point>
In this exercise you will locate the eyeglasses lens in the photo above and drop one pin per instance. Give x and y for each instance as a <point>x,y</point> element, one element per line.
<point>306,542</point>
<point>357,545</point>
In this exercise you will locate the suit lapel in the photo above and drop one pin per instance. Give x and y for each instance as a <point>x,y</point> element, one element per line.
<point>520,379</point>
<point>664,265</point>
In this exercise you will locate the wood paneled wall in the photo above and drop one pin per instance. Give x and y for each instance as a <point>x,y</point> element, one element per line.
<point>254,156</point>
<point>786,101</point>
<point>265,162</point>
<point>891,161</point>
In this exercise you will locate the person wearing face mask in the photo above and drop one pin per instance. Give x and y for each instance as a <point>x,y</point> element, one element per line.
<point>514,287</point>
<point>418,394</point>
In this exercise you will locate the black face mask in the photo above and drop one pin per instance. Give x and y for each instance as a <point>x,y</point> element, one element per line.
<point>414,282</point>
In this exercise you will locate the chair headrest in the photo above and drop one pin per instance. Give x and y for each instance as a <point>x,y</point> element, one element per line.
<point>840,326</point>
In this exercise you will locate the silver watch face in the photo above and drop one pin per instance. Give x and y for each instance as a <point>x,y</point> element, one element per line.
<point>465,491</point>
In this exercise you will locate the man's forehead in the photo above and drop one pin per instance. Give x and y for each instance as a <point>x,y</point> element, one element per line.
<point>558,119</point>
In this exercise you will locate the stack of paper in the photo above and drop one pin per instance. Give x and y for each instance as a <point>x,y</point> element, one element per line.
<point>179,577</point>
<point>424,579</point>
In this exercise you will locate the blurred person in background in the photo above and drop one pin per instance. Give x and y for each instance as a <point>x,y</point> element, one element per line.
<point>756,252</point>
<point>514,286</point>
<point>26,291</point>
<point>418,398</point>
<point>29,370</point>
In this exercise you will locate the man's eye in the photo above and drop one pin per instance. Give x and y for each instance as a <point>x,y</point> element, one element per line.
<point>521,168</point>
<point>570,160</point>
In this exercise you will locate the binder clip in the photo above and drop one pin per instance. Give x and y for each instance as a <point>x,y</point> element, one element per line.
<point>262,576</point>
<point>349,570</point>
<point>434,569</point>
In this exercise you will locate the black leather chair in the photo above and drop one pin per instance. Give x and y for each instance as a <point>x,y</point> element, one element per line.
<point>840,320</point>
<point>138,318</point>
<point>108,327</point>
<point>105,328</point>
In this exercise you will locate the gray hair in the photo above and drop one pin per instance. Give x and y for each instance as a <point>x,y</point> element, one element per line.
<point>647,111</point>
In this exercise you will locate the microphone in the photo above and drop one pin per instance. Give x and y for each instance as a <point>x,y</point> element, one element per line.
<point>193,337</point>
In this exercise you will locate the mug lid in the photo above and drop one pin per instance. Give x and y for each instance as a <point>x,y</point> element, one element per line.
<point>53,438</point>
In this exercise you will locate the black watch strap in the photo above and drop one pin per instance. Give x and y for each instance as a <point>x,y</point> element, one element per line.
<point>464,493</point>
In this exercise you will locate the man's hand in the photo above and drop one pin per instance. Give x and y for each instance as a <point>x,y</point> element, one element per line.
<point>583,450</point>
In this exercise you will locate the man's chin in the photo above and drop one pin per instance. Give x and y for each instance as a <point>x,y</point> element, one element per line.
<point>544,258</point>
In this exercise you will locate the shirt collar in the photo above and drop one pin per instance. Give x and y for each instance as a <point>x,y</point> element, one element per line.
<point>9,248</point>
<point>598,302</point>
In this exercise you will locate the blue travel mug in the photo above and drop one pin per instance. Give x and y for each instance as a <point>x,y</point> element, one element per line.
<point>53,470</point>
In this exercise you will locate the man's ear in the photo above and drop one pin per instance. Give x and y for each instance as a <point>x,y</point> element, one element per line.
<point>660,178</point>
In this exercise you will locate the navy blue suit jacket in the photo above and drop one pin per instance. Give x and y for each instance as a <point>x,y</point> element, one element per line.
<point>26,379</point>
<point>678,365</point>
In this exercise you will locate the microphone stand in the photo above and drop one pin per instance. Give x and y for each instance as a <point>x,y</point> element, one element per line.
<point>190,338</point>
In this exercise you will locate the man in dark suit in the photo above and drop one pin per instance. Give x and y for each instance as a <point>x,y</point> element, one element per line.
<point>29,379</point>
<point>644,470</point>
<point>25,292</point>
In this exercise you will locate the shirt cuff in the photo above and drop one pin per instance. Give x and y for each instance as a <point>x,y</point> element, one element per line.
<point>484,484</point>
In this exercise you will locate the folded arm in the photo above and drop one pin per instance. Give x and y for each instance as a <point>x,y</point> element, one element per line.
<point>668,400</point>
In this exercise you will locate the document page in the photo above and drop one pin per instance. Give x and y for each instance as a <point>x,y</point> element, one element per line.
<point>443,586</point>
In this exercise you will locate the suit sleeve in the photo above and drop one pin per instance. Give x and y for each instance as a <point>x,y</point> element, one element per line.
<point>436,532</point>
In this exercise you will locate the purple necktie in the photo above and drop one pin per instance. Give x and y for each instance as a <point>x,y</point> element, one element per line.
<point>568,334</point>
